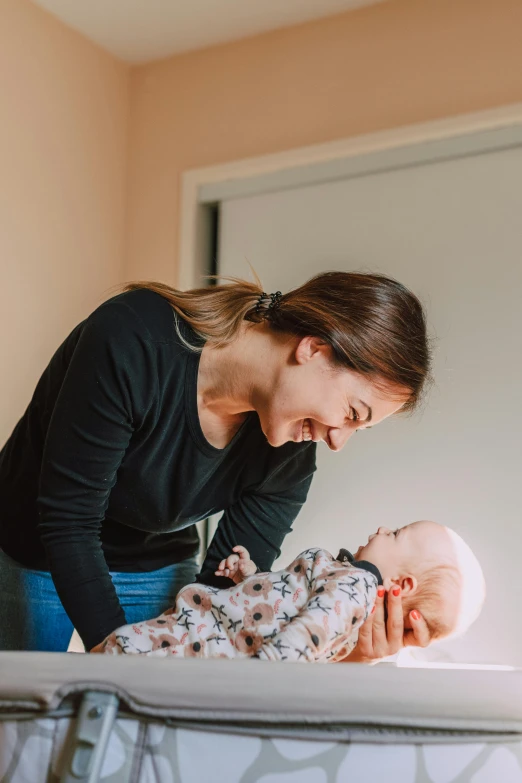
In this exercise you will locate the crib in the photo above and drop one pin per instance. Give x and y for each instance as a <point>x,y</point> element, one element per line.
<point>68,718</point>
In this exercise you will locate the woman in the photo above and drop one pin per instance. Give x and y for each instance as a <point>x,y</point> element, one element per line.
<point>164,407</point>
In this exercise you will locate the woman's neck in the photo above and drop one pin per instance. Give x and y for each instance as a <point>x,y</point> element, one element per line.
<point>233,377</point>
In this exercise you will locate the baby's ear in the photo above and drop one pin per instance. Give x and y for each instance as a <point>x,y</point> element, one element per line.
<point>408,585</point>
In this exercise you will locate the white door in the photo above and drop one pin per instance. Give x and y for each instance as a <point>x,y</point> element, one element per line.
<point>452,232</point>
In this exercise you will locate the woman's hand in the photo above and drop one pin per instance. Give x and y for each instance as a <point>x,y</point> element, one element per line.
<point>380,637</point>
<point>237,566</point>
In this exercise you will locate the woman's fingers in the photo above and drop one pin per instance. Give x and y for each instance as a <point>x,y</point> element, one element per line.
<point>379,642</point>
<point>380,636</point>
<point>420,635</point>
<point>386,633</point>
<point>395,623</point>
<point>365,640</point>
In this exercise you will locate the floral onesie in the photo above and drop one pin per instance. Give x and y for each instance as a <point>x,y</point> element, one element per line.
<point>310,611</point>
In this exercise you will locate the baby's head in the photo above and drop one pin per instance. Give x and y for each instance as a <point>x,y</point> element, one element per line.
<point>438,574</point>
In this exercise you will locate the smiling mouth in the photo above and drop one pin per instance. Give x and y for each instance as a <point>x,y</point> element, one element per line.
<point>309,433</point>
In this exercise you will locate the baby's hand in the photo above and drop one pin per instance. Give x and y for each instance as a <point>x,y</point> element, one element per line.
<point>238,566</point>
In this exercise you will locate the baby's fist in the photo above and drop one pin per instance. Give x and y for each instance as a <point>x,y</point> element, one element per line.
<point>237,566</point>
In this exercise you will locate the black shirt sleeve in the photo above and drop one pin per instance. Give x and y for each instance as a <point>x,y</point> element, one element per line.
<point>262,517</point>
<point>91,426</point>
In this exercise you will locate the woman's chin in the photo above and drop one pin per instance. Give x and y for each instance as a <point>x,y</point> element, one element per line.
<point>275,439</point>
<point>280,436</point>
<point>276,443</point>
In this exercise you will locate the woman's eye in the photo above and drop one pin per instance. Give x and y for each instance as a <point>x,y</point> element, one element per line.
<point>354,415</point>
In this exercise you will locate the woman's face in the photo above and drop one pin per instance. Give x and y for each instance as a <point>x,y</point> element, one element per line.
<point>314,400</point>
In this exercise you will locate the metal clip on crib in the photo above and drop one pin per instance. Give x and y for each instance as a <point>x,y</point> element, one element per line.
<point>93,728</point>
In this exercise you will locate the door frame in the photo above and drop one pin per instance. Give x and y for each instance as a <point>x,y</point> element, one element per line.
<point>203,188</point>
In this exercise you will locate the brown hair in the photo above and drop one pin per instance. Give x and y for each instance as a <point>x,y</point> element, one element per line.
<point>373,324</point>
<point>437,598</point>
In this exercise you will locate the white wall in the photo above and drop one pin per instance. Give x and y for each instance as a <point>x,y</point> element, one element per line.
<point>451,232</point>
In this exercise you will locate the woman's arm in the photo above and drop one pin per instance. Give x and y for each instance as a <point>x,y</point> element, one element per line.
<point>90,429</point>
<point>262,517</point>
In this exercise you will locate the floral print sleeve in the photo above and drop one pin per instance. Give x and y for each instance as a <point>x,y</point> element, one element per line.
<point>340,601</point>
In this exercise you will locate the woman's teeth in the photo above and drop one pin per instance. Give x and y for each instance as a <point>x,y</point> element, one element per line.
<point>307,430</point>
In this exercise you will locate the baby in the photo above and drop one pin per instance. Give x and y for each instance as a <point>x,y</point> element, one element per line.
<point>312,610</point>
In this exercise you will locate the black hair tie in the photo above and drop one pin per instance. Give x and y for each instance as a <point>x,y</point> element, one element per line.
<point>268,302</point>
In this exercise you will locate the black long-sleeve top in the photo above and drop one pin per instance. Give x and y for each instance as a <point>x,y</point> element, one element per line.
<point>109,468</point>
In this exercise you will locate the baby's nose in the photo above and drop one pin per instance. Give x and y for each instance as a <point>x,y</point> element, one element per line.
<point>384,531</point>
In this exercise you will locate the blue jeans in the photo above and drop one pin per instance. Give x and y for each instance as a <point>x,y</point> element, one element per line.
<point>33,618</point>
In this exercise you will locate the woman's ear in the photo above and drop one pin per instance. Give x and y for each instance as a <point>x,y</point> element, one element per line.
<point>309,348</point>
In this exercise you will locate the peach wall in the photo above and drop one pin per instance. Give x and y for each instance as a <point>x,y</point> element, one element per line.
<point>63,146</point>
<point>72,159</point>
<point>401,62</point>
